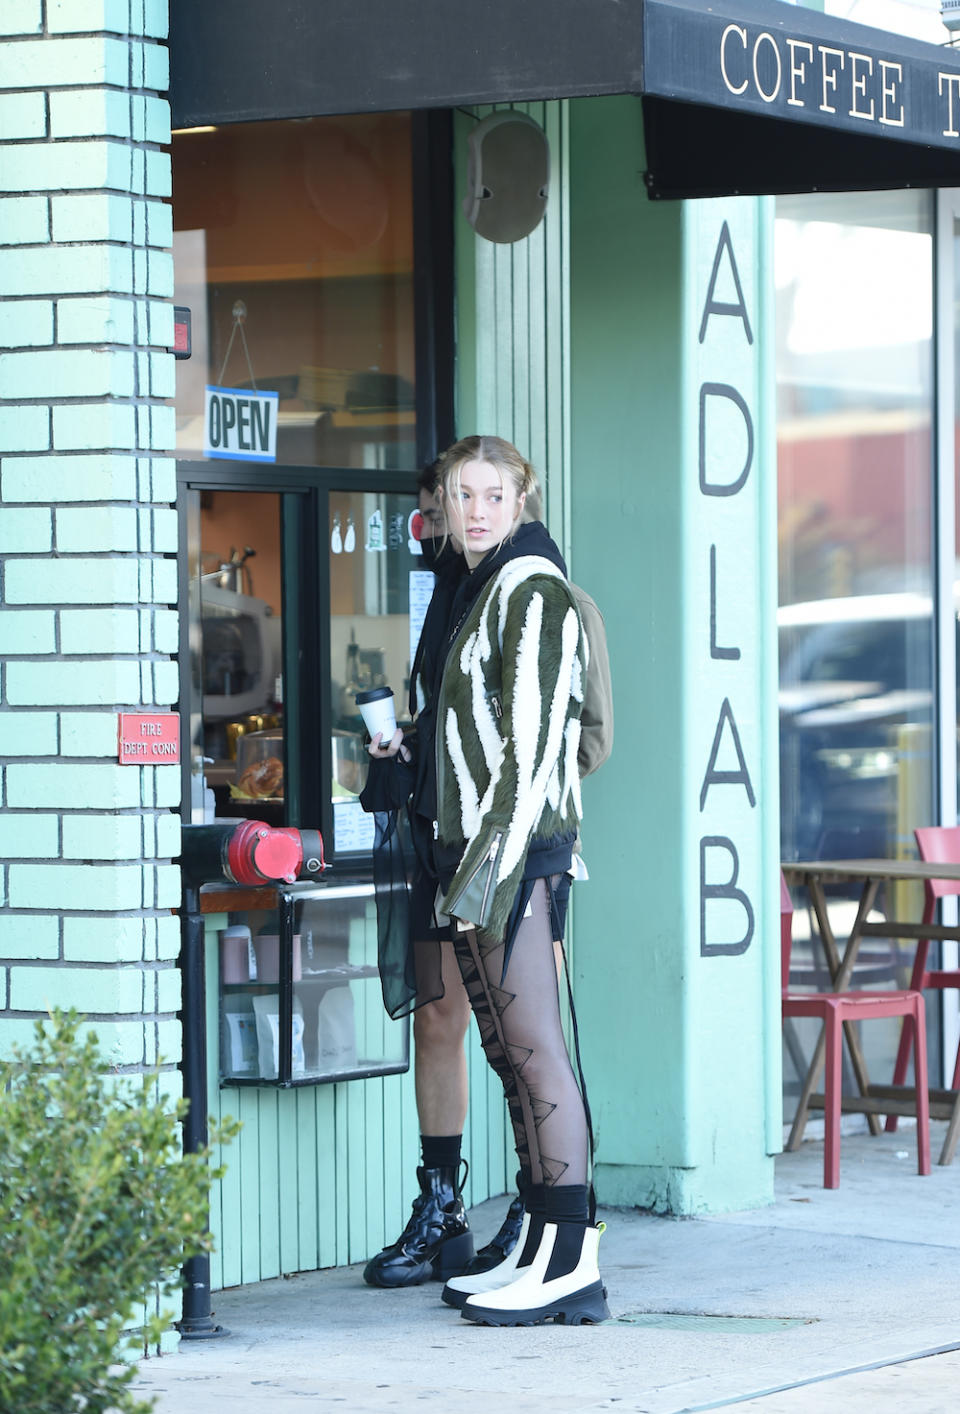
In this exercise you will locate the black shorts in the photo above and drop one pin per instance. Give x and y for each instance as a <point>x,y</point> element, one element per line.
<point>423,921</point>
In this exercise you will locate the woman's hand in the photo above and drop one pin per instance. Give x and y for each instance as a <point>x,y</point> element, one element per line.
<point>379,752</point>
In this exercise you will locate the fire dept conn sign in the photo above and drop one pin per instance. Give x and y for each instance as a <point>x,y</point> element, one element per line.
<point>148,739</point>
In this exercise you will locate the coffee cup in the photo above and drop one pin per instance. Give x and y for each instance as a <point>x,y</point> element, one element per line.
<point>378,713</point>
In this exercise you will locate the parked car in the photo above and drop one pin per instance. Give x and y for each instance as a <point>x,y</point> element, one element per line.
<point>855,699</point>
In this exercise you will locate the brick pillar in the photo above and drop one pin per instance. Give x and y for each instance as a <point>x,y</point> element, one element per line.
<point>87,529</point>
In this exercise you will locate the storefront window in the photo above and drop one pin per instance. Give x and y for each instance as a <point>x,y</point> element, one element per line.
<point>293,251</point>
<point>856,627</point>
<point>236,654</point>
<point>297,452</point>
<point>854,379</point>
<point>274,730</point>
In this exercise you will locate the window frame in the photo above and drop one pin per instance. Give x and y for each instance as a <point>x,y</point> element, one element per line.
<point>306,578</point>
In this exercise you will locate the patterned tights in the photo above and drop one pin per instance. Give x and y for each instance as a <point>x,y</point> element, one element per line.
<point>522,1036</point>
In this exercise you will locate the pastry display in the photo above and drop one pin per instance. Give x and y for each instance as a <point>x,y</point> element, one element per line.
<point>262,778</point>
<point>259,766</point>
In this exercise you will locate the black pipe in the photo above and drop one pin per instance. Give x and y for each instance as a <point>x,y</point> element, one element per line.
<point>196,1323</point>
<point>204,857</point>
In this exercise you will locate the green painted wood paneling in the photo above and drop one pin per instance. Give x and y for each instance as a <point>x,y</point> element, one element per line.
<point>513,314</point>
<point>307,1187</point>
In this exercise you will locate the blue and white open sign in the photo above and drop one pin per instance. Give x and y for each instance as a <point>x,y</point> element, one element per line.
<point>240,425</point>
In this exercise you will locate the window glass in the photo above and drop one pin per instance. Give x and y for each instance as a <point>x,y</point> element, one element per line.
<point>854,379</point>
<point>236,664</point>
<point>338,1028</point>
<point>293,250</point>
<point>378,595</point>
<point>854,408</point>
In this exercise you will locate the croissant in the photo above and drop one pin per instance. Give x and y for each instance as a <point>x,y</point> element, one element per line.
<point>263,778</point>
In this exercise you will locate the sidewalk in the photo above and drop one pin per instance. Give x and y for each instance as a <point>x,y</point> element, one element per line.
<point>822,1301</point>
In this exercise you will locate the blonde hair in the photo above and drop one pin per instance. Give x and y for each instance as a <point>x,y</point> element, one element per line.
<point>514,469</point>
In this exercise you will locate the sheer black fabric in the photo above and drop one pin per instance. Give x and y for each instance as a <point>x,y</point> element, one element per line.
<point>397,974</point>
<point>518,1012</point>
<point>408,938</point>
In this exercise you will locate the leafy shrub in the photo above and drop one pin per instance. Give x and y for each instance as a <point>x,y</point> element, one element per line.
<point>99,1207</point>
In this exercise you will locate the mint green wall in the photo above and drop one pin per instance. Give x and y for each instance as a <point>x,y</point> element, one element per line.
<point>680,1048</point>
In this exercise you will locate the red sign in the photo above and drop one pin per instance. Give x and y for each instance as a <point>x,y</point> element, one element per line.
<point>182,341</point>
<point>149,739</point>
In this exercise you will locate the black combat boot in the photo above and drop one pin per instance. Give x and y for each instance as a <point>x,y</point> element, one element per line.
<point>436,1243</point>
<point>503,1243</point>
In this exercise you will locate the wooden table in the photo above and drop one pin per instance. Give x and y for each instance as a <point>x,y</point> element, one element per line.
<point>869,874</point>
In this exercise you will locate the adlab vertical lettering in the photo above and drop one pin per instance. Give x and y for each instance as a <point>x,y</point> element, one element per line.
<point>723,406</point>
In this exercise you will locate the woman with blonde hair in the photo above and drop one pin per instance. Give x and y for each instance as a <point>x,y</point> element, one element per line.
<point>508,811</point>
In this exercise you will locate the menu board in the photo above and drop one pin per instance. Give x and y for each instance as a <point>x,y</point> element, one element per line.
<point>353,828</point>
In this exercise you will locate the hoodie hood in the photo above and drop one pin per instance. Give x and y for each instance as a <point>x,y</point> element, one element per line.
<point>529,539</point>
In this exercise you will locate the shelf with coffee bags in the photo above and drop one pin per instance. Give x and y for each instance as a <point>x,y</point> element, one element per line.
<point>300,996</point>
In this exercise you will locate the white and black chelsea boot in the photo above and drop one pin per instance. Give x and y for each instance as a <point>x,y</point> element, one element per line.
<point>561,1284</point>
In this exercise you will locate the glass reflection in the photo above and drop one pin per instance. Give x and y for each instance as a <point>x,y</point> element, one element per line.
<point>237,742</point>
<point>376,616</point>
<point>854,380</point>
<point>293,249</point>
<point>854,385</point>
<point>338,1026</point>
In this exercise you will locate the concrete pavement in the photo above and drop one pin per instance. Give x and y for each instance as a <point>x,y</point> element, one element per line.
<point>843,1300</point>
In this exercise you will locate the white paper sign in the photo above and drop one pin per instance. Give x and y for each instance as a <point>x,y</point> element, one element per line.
<point>240,425</point>
<point>353,828</point>
<point>421,592</point>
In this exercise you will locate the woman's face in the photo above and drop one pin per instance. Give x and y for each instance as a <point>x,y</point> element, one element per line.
<point>484,509</point>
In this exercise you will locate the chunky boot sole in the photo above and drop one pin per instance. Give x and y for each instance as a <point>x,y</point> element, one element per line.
<point>588,1306</point>
<point>447,1261</point>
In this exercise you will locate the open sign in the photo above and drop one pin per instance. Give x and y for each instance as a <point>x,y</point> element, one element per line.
<point>240,425</point>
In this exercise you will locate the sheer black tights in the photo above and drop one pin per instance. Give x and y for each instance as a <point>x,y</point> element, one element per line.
<point>522,1036</point>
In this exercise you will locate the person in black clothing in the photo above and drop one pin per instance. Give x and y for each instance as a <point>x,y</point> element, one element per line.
<point>436,1243</point>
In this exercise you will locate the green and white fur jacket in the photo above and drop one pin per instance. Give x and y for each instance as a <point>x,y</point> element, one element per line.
<point>508,729</point>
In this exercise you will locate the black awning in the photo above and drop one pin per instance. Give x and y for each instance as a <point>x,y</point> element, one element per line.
<point>761,97</point>
<point>744,96</point>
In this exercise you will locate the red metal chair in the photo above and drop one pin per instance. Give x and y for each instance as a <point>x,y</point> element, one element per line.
<point>938,844</point>
<point>834,1009</point>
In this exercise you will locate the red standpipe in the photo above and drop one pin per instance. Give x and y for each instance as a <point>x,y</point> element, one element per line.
<point>259,853</point>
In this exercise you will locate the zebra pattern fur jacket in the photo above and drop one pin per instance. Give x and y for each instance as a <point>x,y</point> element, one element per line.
<point>508,729</point>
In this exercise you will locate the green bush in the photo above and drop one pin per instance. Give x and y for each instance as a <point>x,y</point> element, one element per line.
<point>99,1207</point>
